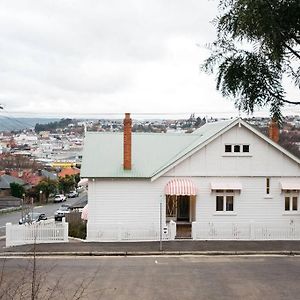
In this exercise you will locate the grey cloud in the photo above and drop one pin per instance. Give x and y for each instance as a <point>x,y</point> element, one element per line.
<point>60,50</point>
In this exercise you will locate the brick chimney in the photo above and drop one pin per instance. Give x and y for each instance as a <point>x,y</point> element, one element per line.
<point>274,130</point>
<point>127,142</point>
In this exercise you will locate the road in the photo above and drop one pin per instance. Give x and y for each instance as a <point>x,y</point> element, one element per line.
<point>48,209</point>
<point>185,277</point>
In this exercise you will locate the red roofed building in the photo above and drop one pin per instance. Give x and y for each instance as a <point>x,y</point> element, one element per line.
<point>69,172</point>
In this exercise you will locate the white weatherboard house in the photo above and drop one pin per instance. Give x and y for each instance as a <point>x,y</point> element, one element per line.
<point>226,180</point>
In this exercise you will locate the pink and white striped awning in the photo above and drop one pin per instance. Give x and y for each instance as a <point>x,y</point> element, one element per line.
<point>84,213</point>
<point>181,187</point>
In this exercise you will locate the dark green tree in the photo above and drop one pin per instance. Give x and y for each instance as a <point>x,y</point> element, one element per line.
<point>17,190</point>
<point>67,183</point>
<point>47,187</point>
<point>258,42</point>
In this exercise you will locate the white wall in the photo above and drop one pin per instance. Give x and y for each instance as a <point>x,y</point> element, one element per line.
<point>124,207</point>
<point>263,159</point>
<point>251,203</point>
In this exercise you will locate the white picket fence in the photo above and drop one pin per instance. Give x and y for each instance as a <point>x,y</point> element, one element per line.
<point>281,230</point>
<point>123,232</point>
<point>47,231</point>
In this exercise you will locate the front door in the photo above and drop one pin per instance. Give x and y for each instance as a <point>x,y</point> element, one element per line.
<point>183,208</point>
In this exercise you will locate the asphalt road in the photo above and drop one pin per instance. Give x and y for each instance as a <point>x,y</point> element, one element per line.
<point>185,277</point>
<point>48,209</point>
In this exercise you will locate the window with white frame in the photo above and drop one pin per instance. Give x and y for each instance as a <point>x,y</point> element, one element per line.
<point>291,200</point>
<point>224,200</point>
<point>237,148</point>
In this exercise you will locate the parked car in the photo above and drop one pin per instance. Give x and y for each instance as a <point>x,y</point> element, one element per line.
<point>32,217</point>
<point>61,212</point>
<point>60,198</point>
<point>73,194</point>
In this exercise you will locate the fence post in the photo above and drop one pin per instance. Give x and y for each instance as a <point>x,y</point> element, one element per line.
<point>8,234</point>
<point>65,229</point>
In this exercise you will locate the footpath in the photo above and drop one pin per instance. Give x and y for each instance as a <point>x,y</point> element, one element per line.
<point>180,247</point>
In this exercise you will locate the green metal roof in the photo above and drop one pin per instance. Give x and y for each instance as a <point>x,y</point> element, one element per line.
<point>151,152</point>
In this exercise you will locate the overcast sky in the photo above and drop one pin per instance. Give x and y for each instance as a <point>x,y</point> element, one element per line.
<point>101,56</point>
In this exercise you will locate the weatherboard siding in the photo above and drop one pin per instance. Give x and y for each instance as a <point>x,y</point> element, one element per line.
<point>133,205</point>
<point>211,160</point>
<point>250,204</point>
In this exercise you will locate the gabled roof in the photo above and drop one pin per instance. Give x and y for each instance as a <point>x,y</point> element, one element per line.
<point>153,154</point>
<point>68,172</point>
<point>103,153</point>
<point>6,180</point>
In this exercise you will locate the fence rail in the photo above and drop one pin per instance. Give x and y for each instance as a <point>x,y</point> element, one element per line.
<point>288,230</point>
<point>41,232</point>
<point>125,232</point>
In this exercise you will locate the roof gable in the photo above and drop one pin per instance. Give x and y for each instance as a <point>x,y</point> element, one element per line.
<point>153,154</point>
<point>6,180</point>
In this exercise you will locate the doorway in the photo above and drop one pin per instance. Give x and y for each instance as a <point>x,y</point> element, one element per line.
<point>183,208</point>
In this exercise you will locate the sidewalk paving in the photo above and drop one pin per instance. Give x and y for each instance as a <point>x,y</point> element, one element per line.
<point>75,247</point>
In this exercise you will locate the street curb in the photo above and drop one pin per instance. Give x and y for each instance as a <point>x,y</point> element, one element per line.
<point>153,253</point>
<point>10,209</point>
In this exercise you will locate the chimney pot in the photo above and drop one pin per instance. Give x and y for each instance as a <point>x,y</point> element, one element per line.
<point>127,142</point>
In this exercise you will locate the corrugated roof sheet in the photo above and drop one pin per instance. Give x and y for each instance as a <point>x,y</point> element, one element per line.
<point>151,152</point>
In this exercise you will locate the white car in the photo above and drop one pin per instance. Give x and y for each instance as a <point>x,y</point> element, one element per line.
<point>60,198</point>
<point>61,212</point>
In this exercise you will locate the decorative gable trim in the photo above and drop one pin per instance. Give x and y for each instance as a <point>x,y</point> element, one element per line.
<point>239,122</point>
<point>174,163</point>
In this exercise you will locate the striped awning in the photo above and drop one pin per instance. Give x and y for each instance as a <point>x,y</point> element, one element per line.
<point>84,213</point>
<point>180,187</point>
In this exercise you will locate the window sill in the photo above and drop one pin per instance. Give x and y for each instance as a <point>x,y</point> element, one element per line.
<point>237,154</point>
<point>291,213</point>
<point>222,213</point>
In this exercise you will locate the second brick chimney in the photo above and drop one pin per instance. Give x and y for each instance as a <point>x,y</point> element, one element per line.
<point>274,130</point>
<point>127,142</point>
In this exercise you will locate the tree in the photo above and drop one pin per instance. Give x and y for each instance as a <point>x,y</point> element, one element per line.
<point>66,183</point>
<point>17,190</point>
<point>47,186</point>
<point>258,42</point>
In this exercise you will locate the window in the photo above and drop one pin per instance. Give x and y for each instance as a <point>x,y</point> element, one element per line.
<point>219,203</point>
<point>171,205</point>
<point>237,148</point>
<point>291,200</point>
<point>246,148</point>
<point>224,200</point>
<point>228,148</point>
<point>267,186</point>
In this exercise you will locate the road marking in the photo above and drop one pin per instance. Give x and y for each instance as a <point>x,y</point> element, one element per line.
<point>38,206</point>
